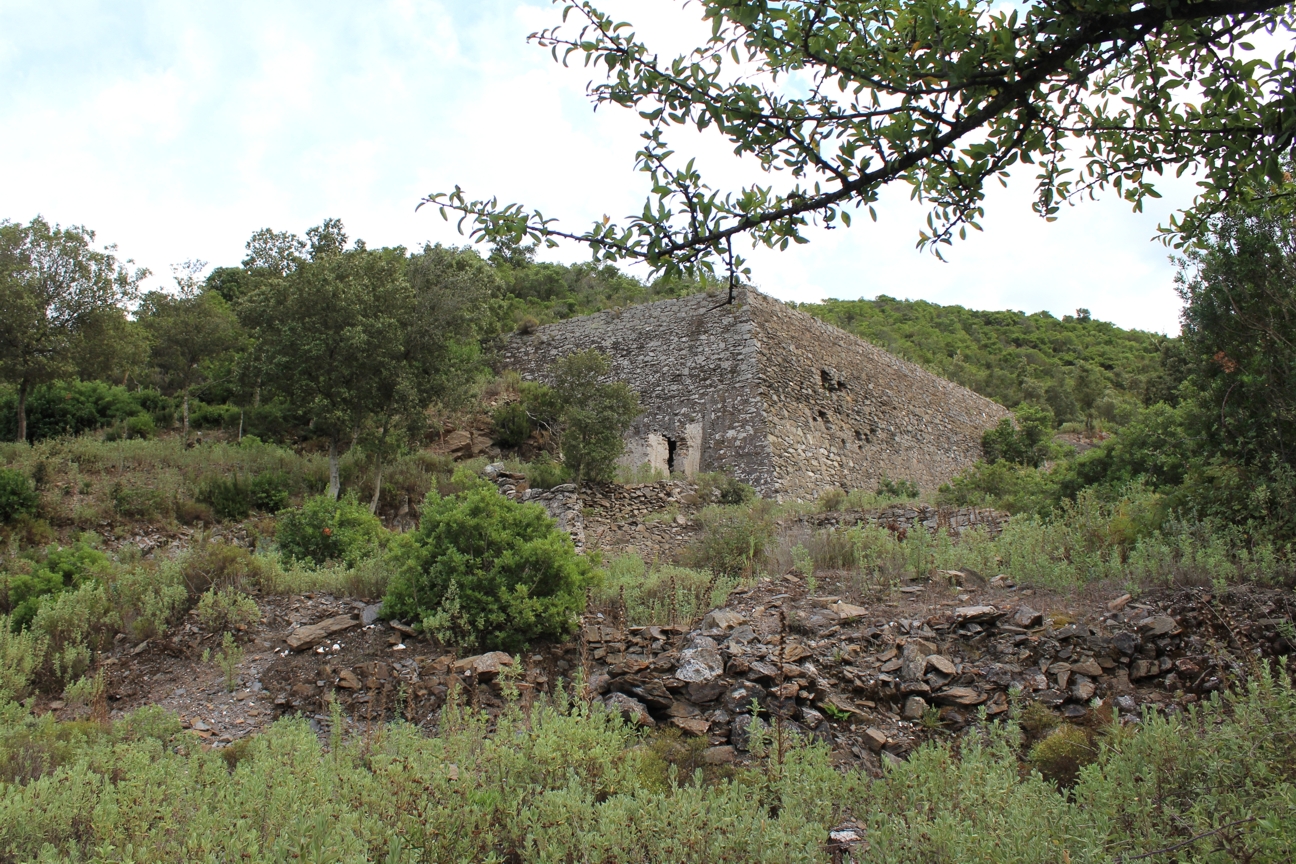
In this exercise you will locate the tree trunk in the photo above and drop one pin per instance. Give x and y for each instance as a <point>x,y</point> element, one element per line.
<point>334,485</point>
<point>22,410</point>
<point>240,437</point>
<point>373,505</point>
<point>184,427</point>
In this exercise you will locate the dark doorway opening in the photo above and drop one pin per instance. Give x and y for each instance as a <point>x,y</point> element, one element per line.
<point>671,446</point>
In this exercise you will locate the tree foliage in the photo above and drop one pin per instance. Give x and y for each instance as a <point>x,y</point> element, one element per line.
<point>845,97</point>
<point>56,291</point>
<point>1078,367</point>
<point>484,571</point>
<point>595,413</point>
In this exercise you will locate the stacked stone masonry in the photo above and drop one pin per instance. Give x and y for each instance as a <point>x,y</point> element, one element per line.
<point>772,395</point>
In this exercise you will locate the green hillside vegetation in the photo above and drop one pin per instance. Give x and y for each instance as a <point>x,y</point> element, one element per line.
<point>1082,369</point>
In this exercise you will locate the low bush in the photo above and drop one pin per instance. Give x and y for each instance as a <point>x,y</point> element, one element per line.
<point>22,653</point>
<point>17,495</point>
<point>31,581</point>
<point>229,497</point>
<point>140,502</point>
<point>74,407</point>
<point>716,487</point>
<point>1061,754</point>
<point>734,540</point>
<point>269,491</point>
<point>226,609</point>
<point>831,499</point>
<point>141,426</point>
<point>511,425</point>
<point>545,473</point>
<point>893,489</point>
<point>487,572</point>
<point>324,530</point>
<point>569,781</point>
<point>222,566</point>
<point>663,595</point>
<point>76,624</point>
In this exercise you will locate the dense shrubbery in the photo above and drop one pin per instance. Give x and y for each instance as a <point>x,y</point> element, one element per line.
<point>324,530</point>
<point>73,407</point>
<point>735,539</point>
<point>511,424</point>
<point>568,781</point>
<point>17,497</point>
<point>485,571</point>
<point>662,594</point>
<point>33,580</point>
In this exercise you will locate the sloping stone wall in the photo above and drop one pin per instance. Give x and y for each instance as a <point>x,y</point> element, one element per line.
<point>842,412</point>
<point>779,399</point>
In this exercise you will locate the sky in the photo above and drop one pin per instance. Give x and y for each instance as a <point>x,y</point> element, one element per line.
<point>175,130</point>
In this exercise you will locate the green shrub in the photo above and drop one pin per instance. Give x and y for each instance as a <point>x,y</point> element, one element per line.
<point>226,609</point>
<point>145,503</point>
<point>831,499</point>
<point>595,414</point>
<point>663,595</point>
<point>1028,441</point>
<point>220,565</point>
<point>74,407</point>
<point>229,497</point>
<point>1062,753</point>
<point>511,424</point>
<point>897,488</point>
<point>76,623</point>
<point>323,530</point>
<point>22,653</point>
<point>269,491</point>
<point>734,540</point>
<point>17,496</point>
<point>33,582</point>
<point>545,473</point>
<point>719,488</point>
<point>141,426</point>
<point>488,572</point>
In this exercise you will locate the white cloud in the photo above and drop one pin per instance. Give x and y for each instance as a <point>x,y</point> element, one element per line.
<point>176,130</point>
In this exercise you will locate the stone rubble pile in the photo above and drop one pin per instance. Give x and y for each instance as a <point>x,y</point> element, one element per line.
<point>837,671</point>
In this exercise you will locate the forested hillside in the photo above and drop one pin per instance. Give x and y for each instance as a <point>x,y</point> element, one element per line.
<point>1081,368</point>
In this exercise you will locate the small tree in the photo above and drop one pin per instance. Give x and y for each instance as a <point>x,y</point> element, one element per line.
<point>1026,442</point>
<point>595,414</point>
<point>55,292</point>
<point>359,340</point>
<point>189,331</point>
<point>484,571</point>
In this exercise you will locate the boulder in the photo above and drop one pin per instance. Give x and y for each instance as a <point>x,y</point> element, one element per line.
<point>312,634</point>
<point>976,614</point>
<point>486,666</point>
<point>1025,616</point>
<point>941,664</point>
<point>722,619</point>
<point>914,708</point>
<point>630,708</point>
<point>742,731</point>
<point>701,661</point>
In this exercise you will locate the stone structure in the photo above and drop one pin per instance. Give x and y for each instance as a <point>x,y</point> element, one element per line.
<point>776,397</point>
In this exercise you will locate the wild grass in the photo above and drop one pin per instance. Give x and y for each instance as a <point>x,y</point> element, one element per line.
<point>84,482</point>
<point>566,781</point>
<point>660,594</point>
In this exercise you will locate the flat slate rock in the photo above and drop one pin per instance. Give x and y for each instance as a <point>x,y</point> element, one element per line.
<point>312,634</point>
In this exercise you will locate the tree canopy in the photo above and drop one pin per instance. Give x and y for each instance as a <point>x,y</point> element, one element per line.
<point>55,290</point>
<point>844,97</point>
